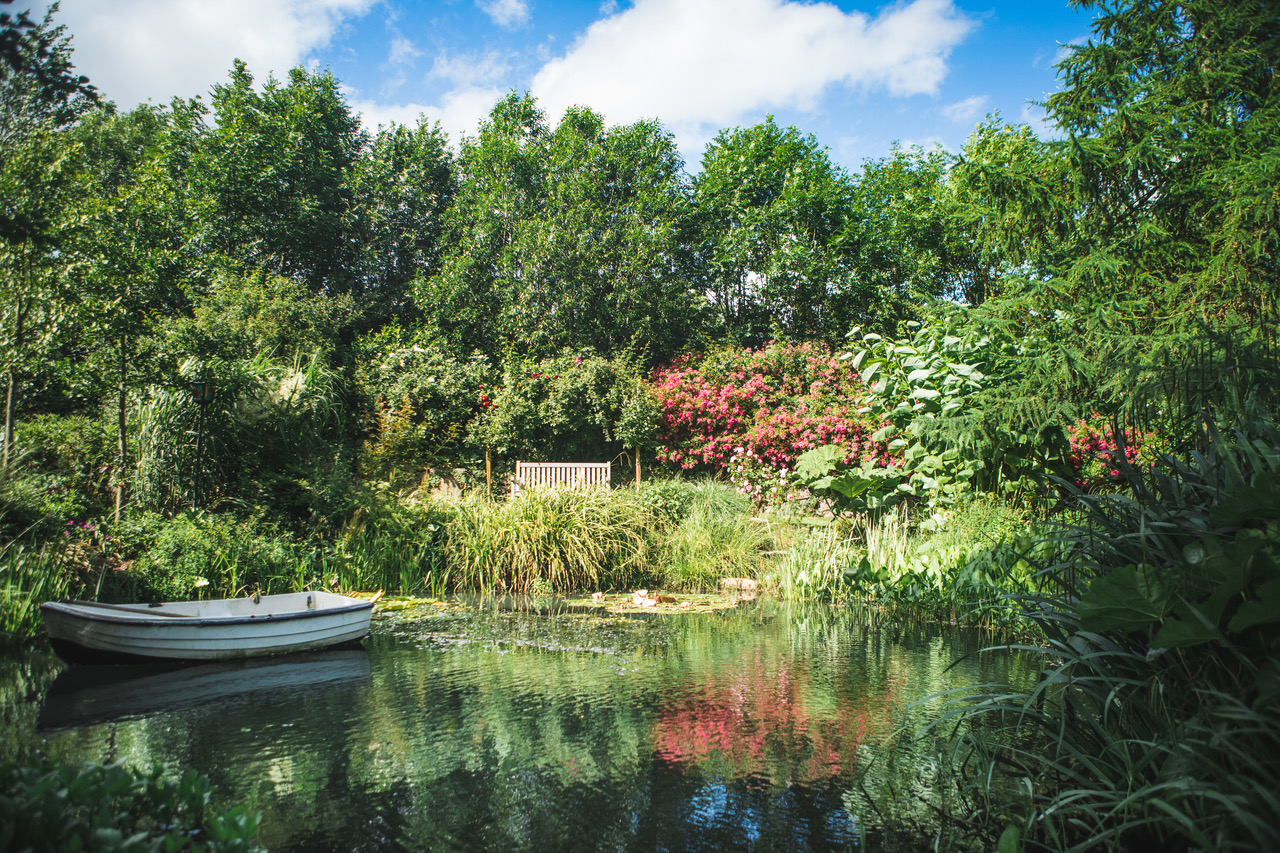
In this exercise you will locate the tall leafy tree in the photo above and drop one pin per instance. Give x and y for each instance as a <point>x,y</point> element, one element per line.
<point>402,186</point>
<point>1009,201</point>
<point>40,96</point>
<point>773,211</point>
<point>272,175</point>
<point>1173,114</point>
<point>571,237</point>
<point>129,252</point>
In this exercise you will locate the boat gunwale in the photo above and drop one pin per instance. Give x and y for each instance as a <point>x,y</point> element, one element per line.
<point>70,608</point>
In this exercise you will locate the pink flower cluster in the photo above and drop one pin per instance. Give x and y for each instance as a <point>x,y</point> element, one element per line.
<point>767,406</point>
<point>1094,454</point>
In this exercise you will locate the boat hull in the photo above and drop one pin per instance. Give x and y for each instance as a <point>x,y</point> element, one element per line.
<point>205,631</point>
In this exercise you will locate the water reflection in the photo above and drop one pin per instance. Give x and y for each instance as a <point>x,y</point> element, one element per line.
<point>496,727</point>
<point>86,695</point>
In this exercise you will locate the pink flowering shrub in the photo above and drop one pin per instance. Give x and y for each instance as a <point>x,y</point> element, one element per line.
<point>1094,454</point>
<point>750,414</point>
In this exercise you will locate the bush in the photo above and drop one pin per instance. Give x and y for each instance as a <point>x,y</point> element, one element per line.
<point>717,537</point>
<point>29,576</point>
<point>49,806</point>
<point>562,540</point>
<point>209,555</point>
<point>770,405</point>
<point>1155,723</point>
<point>59,471</point>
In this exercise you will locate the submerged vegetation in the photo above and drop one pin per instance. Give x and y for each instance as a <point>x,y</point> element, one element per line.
<point>1032,386</point>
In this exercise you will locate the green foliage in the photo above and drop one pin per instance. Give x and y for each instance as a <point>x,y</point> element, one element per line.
<point>578,407</point>
<point>240,317</point>
<point>271,437</point>
<point>403,185</point>
<point>564,238</point>
<point>1193,553</point>
<point>920,390</point>
<point>427,405</point>
<point>562,540</point>
<point>386,545</point>
<point>30,575</point>
<point>207,555</point>
<point>58,472</point>
<point>965,571</point>
<point>1153,725</point>
<point>270,177</point>
<point>1174,119</point>
<point>772,209</point>
<point>49,806</point>
<point>713,536</point>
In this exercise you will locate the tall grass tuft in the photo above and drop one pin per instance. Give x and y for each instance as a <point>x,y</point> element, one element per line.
<point>963,572</point>
<point>715,538</point>
<point>819,566</point>
<point>562,540</point>
<point>390,546</point>
<point>1155,724</point>
<point>30,575</point>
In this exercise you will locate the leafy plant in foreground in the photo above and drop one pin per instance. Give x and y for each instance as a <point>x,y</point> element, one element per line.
<point>1155,723</point>
<point>49,806</point>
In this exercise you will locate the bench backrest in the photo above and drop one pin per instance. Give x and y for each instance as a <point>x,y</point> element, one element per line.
<point>554,475</point>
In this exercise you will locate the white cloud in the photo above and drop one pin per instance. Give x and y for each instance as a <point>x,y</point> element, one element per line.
<point>402,52</point>
<point>505,13</point>
<point>459,112</point>
<point>697,64</point>
<point>133,50</point>
<point>966,110</point>
<point>470,70</point>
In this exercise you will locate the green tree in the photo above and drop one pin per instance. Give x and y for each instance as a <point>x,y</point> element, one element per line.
<point>272,178</point>
<point>39,96</point>
<point>1173,117</point>
<point>773,210</point>
<point>1009,201</point>
<point>402,187</point>
<point>128,258</point>
<point>564,238</point>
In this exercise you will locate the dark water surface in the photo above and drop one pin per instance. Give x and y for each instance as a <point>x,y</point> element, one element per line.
<point>481,727</point>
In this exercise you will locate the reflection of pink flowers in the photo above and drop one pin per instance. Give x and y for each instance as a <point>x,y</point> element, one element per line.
<point>759,716</point>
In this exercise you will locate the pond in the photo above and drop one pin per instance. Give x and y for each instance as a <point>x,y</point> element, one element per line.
<point>491,725</point>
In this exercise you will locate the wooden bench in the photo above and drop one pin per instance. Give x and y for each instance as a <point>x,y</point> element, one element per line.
<point>555,475</point>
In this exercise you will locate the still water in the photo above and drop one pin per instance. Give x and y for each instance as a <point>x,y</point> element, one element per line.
<point>487,726</point>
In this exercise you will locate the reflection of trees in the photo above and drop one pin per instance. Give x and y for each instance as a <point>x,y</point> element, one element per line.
<point>519,732</point>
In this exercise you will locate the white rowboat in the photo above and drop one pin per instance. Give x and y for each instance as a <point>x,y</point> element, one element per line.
<point>205,630</point>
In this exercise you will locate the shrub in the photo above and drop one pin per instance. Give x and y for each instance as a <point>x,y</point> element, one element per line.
<point>29,576</point>
<point>717,537</point>
<point>1154,725</point>
<point>577,406</point>
<point>563,539</point>
<point>210,555</point>
<point>49,806</point>
<point>767,406</point>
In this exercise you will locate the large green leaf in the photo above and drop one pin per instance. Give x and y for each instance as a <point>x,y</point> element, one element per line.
<point>1130,598</point>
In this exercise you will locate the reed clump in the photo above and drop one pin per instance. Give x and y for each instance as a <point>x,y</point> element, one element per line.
<point>558,540</point>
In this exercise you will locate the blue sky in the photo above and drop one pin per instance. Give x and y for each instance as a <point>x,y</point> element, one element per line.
<point>857,74</point>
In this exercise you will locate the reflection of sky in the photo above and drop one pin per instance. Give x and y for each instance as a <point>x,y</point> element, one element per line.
<point>718,804</point>
<point>710,808</point>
